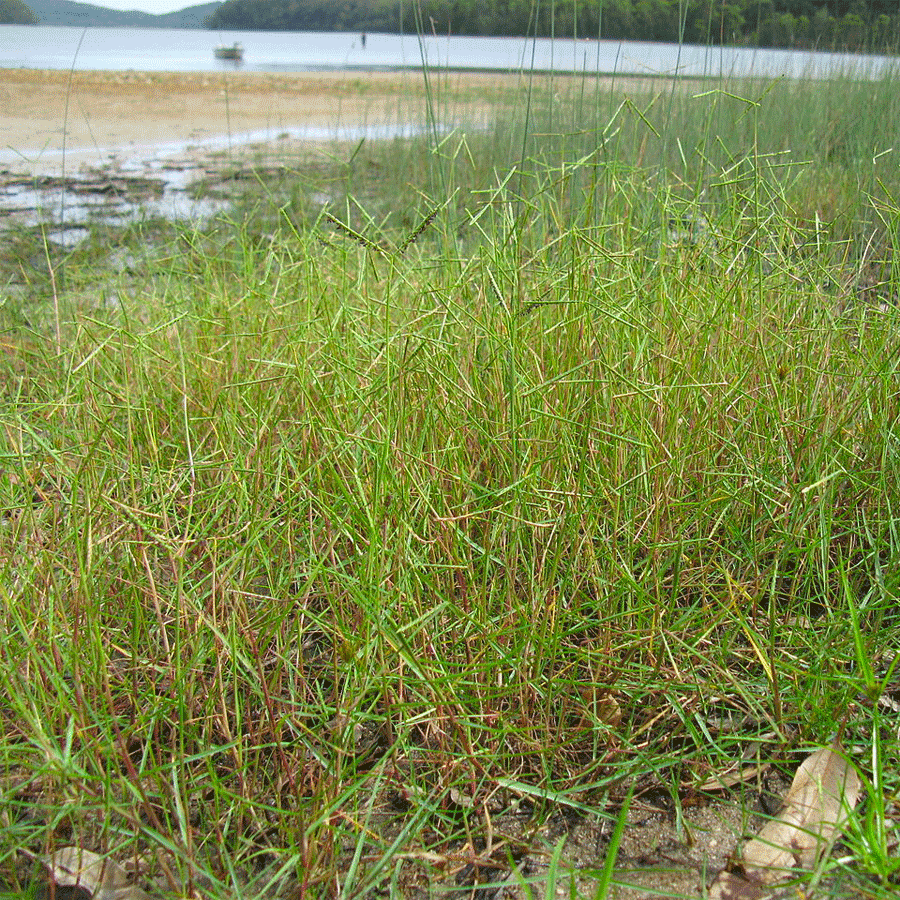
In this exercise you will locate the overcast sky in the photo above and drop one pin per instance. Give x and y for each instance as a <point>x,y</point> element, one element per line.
<point>150,6</point>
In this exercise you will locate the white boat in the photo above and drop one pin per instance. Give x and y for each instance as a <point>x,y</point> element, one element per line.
<point>235,51</point>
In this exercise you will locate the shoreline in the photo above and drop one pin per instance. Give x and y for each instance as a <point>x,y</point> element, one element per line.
<point>48,113</point>
<point>92,117</point>
<point>108,140</point>
<point>114,142</point>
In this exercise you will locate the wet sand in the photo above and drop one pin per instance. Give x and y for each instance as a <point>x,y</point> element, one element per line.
<point>90,115</point>
<point>91,146</point>
<point>105,144</point>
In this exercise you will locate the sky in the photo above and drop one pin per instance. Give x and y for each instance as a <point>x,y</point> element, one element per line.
<point>149,6</point>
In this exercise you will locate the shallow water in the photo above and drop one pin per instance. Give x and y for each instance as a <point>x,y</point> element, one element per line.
<point>183,50</point>
<point>116,187</point>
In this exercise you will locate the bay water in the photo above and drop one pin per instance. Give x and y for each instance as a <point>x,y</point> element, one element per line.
<point>191,50</point>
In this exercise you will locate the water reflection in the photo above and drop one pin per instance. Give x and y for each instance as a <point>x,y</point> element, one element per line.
<point>67,193</point>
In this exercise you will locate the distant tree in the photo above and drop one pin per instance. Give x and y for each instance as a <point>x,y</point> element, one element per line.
<point>885,33</point>
<point>769,23</point>
<point>14,12</point>
<point>713,21</point>
<point>784,30</point>
<point>851,30</point>
<point>822,28</point>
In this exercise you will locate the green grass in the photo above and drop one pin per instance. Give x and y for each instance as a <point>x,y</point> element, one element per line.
<point>317,557</point>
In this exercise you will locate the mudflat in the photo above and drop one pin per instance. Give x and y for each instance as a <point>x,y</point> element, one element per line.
<point>110,140</point>
<point>45,112</point>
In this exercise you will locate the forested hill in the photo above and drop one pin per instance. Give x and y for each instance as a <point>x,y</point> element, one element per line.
<point>14,12</point>
<point>67,12</point>
<point>852,24</point>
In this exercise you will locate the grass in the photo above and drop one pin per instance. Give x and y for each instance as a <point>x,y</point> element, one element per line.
<point>329,569</point>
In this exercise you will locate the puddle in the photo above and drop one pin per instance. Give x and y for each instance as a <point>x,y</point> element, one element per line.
<point>115,195</point>
<point>69,191</point>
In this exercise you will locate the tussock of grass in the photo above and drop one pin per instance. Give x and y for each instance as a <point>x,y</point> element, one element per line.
<point>311,548</point>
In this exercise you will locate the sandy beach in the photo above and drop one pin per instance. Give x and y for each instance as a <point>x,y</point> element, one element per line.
<point>89,115</point>
<point>115,143</point>
<point>44,112</point>
<point>112,140</point>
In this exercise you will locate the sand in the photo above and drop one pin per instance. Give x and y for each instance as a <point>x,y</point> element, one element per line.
<point>96,145</point>
<point>105,146</point>
<point>91,115</point>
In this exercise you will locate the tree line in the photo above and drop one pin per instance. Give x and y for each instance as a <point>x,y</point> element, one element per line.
<point>826,24</point>
<point>14,12</point>
<point>860,25</point>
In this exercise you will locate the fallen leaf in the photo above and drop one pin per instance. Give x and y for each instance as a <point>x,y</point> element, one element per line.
<point>824,790</point>
<point>732,886</point>
<point>461,799</point>
<point>100,877</point>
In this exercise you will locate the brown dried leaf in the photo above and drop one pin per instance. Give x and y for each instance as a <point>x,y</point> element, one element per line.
<point>731,886</point>
<point>99,876</point>
<point>824,790</point>
<point>461,799</point>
